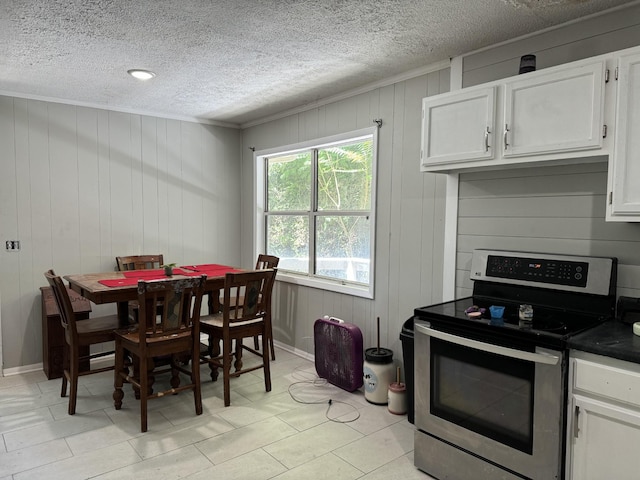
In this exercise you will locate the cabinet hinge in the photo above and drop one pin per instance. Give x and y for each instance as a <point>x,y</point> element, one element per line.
<point>606,76</point>
<point>604,131</point>
<point>611,198</point>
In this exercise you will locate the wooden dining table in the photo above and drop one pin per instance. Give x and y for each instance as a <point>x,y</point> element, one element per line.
<point>122,287</point>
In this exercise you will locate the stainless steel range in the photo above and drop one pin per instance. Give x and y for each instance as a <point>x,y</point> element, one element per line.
<point>491,393</point>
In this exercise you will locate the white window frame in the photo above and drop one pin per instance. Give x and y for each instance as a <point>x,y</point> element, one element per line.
<point>309,280</point>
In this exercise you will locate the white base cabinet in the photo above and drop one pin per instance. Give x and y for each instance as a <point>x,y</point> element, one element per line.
<point>603,434</point>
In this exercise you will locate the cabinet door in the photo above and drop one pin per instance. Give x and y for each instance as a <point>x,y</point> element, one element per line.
<point>458,126</point>
<point>624,169</point>
<point>558,112</point>
<point>605,441</point>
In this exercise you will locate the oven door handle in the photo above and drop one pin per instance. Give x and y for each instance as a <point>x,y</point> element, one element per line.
<point>541,357</point>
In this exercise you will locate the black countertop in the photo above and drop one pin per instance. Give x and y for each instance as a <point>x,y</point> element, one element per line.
<point>612,339</point>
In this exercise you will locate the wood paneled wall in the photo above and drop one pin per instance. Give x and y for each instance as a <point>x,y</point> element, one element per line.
<point>81,185</point>
<point>410,213</point>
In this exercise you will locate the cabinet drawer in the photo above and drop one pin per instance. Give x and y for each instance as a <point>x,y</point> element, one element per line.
<point>607,381</point>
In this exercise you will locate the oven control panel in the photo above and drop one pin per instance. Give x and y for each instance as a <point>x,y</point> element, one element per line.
<point>594,275</point>
<point>538,270</point>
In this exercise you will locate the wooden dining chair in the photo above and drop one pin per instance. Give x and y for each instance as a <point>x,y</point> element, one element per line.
<point>264,262</point>
<point>139,262</point>
<point>77,335</point>
<point>245,307</point>
<point>172,333</point>
<point>267,261</point>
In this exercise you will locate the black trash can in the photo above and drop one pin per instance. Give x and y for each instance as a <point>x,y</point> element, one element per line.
<point>406,336</point>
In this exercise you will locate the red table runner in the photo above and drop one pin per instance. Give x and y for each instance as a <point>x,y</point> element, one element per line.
<point>132,276</point>
<point>120,282</point>
<point>208,267</point>
<point>152,273</point>
<point>210,270</point>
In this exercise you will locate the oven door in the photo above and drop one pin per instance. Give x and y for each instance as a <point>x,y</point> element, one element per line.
<point>499,403</point>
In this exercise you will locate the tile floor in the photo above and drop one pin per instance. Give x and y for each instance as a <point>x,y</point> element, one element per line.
<point>260,436</point>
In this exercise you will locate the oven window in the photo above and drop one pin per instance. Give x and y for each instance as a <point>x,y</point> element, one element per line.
<point>487,393</point>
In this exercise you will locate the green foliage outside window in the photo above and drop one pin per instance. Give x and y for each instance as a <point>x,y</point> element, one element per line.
<point>341,176</point>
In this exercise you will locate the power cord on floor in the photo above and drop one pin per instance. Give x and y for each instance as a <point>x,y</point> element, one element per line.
<point>316,382</point>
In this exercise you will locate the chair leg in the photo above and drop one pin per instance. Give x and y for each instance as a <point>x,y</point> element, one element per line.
<point>195,376</point>
<point>144,392</point>
<point>227,355</point>
<point>269,333</point>
<point>151,378</point>
<point>273,350</point>
<point>74,365</point>
<point>118,377</point>
<point>265,361</point>
<point>238,363</point>
<point>136,374</point>
<point>256,345</point>
<point>214,352</point>
<point>65,370</point>
<point>175,373</point>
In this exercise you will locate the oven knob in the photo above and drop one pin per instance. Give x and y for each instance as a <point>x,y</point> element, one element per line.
<point>578,276</point>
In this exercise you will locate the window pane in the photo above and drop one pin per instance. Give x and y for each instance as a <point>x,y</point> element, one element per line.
<point>344,248</point>
<point>345,176</point>
<point>289,182</point>
<point>288,238</point>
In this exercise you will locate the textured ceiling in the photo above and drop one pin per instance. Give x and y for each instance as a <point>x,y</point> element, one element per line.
<point>236,61</point>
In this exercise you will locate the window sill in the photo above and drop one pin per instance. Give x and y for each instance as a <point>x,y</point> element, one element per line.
<point>324,284</point>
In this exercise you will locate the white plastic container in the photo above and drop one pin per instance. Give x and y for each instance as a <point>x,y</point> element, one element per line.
<point>379,373</point>
<point>397,398</point>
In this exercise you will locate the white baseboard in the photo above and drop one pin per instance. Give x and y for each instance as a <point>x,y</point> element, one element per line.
<point>7,372</point>
<point>295,351</point>
<point>95,363</point>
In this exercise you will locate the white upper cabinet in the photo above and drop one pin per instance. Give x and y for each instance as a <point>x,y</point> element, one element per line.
<point>555,112</point>
<point>624,167</point>
<point>549,115</point>
<point>458,127</point>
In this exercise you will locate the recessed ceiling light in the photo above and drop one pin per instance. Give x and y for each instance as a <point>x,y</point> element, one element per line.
<point>141,74</point>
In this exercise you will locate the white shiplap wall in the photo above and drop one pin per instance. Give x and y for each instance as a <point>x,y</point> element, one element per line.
<point>410,213</point>
<point>596,35</point>
<point>554,209</point>
<point>81,185</point>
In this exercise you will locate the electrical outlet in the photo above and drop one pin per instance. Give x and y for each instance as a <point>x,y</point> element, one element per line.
<point>12,245</point>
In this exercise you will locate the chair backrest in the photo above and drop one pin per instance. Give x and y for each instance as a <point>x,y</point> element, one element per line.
<point>139,262</point>
<point>247,295</point>
<point>65,307</point>
<point>180,301</point>
<point>267,261</point>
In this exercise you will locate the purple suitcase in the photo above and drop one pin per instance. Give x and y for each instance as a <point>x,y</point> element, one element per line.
<point>338,352</point>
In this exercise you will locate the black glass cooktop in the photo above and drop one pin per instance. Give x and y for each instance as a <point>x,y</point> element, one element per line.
<point>549,327</point>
